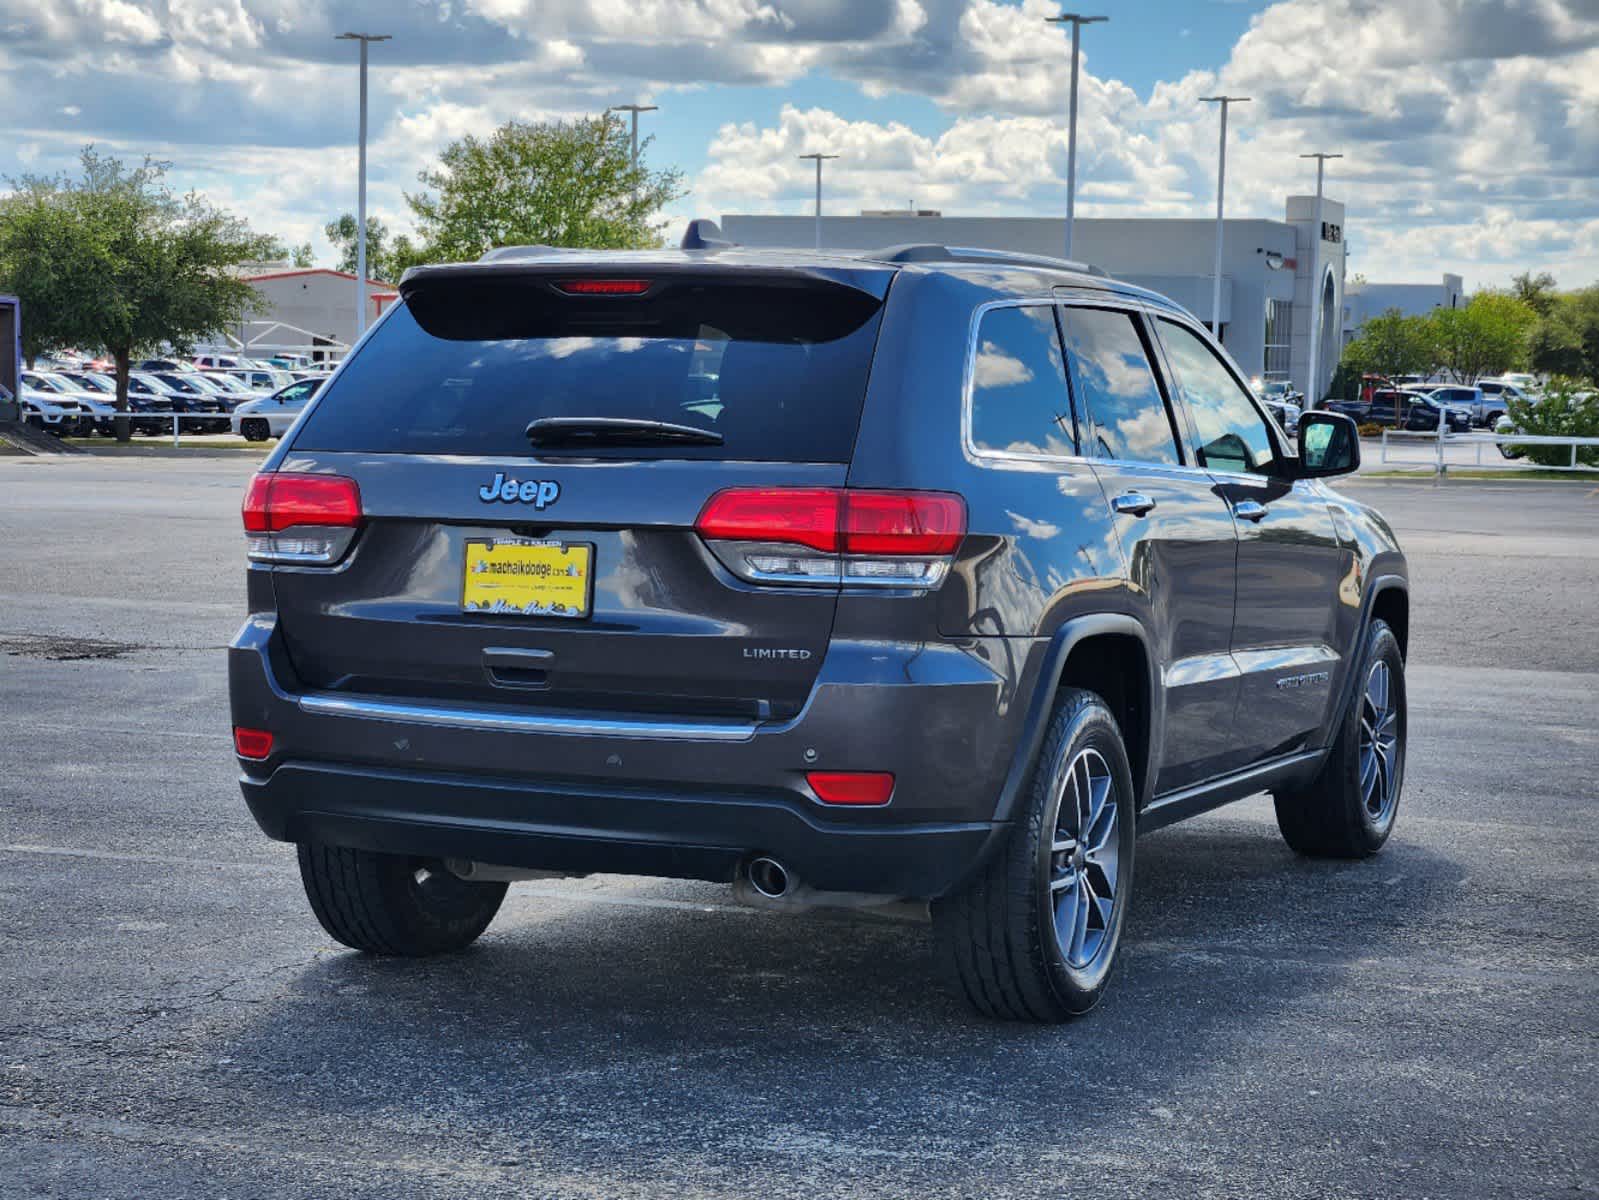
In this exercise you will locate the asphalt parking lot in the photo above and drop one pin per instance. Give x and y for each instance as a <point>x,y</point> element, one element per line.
<point>173,1022</point>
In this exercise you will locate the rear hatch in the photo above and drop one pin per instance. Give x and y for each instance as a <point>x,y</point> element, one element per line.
<point>561,569</point>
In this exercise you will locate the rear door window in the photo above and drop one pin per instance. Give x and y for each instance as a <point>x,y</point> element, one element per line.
<point>1020,401</point>
<point>1120,401</point>
<point>777,371</point>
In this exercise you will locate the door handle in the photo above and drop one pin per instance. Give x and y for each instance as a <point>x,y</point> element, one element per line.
<point>1134,504</point>
<point>1249,510</point>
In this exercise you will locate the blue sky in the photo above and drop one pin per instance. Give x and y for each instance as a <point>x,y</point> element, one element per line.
<point>1468,125</point>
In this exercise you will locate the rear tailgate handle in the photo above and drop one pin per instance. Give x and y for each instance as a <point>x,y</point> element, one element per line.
<point>1134,504</point>
<point>509,666</point>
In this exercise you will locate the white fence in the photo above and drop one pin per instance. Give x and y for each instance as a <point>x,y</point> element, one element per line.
<point>1433,444</point>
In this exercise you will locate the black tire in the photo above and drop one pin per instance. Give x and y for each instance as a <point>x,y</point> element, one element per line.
<point>393,904</point>
<point>1331,817</point>
<point>997,934</point>
<point>254,429</point>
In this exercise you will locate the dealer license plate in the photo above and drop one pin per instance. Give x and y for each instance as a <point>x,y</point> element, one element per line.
<point>528,578</point>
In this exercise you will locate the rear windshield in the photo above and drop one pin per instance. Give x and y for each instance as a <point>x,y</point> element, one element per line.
<point>462,366</point>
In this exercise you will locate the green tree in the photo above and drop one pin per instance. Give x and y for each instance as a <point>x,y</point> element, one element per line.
<point>1536,291</point>
<point>555,184</point>
<point>303,255</point>
<point>342,233</point>
<point>1392,344</point>
<point>1489,336</point>
<point>116,261</point>
<point>1566,339</point>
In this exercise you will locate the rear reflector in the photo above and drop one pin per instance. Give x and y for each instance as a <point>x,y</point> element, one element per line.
<point>852,787</point>
<point>281,501</point>
<point>253,744</point>
<point>838,520</point>
<point>604,287</point>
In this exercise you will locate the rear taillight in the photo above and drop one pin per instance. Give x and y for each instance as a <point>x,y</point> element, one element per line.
<point>834,535</point>
<point>300,518</point>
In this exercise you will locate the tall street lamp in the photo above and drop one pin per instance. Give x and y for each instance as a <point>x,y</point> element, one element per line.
<point>634,109</point>
<point>1312,385</point>
<point>360,212</point>
<point>820,159</point>
<point>1221,187</point>
<point>1076,21</point>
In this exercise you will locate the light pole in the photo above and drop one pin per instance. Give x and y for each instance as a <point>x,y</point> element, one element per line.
<point>820,159</point>
<point>1076,21</point>
<point>360,209</point>
<point>1312,387</point>
<point>1221,187</point>
<point>635,109</point>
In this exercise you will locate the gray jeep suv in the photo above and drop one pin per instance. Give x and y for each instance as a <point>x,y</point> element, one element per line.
<point>930,574</point>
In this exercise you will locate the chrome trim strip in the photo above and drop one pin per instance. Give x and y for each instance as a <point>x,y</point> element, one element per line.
<point>366,708</point>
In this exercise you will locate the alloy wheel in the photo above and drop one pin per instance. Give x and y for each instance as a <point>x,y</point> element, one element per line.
<point>1379,745</point>
<point>1084,858</point>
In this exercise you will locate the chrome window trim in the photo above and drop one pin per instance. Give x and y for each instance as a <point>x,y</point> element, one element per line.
<point>371,709</point>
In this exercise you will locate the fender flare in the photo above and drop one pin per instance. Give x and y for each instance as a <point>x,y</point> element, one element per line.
<point>1042,704</point>
<point>1375,586</point>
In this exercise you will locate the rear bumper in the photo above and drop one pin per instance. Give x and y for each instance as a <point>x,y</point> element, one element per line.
<point>579,828</point>
<point>605,800</point>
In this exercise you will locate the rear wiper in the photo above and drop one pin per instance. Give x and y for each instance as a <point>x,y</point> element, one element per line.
<point>615,431</point>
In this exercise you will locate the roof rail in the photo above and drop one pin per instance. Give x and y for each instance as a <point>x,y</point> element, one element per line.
<point>704,234</point>
<point>935,252</point>
<point>507,253</point>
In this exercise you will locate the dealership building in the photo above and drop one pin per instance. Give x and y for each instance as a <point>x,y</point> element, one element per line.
<point>1267,267</point>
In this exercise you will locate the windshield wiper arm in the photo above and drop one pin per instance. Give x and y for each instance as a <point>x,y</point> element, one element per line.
<point>616,431</point>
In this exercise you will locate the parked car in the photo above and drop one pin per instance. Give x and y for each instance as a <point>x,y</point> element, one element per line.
<point>1285,413</point>
<point>60,415</point>
<point>146,413</point>
<point>909,616</point>
<point>64,391</point>
<point>1473,399</point>
<point>1425,413</point>
<point>164,365</point>
<point>226,362</point>
<point>145,383</point>
<point>264,379</point>
<point>1497,395</point>
<point>201,397</point>
<point>271,416</point>
<point>230,384</point>
<point>1358,411</point>
<point>1413,409</point>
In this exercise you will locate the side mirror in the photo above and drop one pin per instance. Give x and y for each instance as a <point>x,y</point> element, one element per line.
<point>1329,444</point>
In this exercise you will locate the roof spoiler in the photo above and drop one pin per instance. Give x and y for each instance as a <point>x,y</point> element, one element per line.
<point>705,234</point>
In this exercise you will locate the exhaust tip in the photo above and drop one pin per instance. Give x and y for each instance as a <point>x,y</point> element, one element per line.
<point>768,877</point>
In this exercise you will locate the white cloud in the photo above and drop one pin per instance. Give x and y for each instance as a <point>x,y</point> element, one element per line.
<point>1467,126</point>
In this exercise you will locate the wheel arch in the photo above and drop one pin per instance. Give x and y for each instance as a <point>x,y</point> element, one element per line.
<point>1390,602</point>
<point>1109,654</point>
